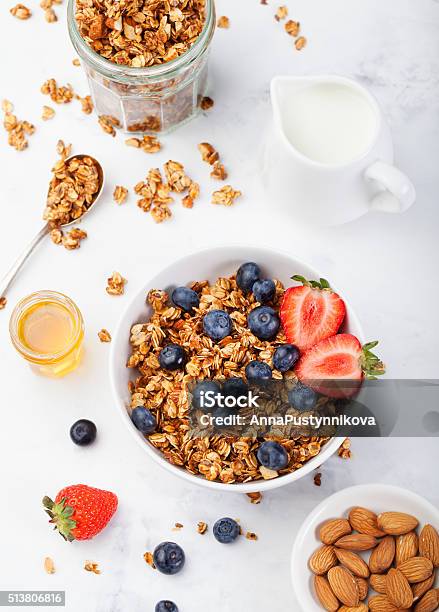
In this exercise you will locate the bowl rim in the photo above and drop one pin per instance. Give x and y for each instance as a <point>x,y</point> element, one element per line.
<point>251,487</point>
<point>350,493</point>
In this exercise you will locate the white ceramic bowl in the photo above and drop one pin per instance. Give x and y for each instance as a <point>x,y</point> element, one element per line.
<point>208,264</point>
<point>375,497</point>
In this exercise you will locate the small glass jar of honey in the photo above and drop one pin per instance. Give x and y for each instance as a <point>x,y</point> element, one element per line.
<point>47,329</point>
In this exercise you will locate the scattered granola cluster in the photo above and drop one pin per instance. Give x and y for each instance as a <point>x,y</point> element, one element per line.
<point>148,556</point>
<point>345,449</point>
<point>20,11</point>
<point>281,13</point>
<point>17,130</point>
<point>60,94</point>
<point>109,124</point>
<point>120,194</point>
<point>64,94</point>
<point>217,457</point>
<point>225,196</point>
<point>104,335</point>
<point>291,27</point>
<point>49,565</point>
<point>148,144</point>
<point>155,193</point>
<point>3,302</point>
<point>140,33</point>
<point>202,527</point>
<point>70,240</point>
<point>210,155</point>
<point>86,104</point>
<point>73,187</point>
<point>116,284</point>
<point>255,498</point>
<point>206,103</point>
<point>91,566</point>
<point>48,113</point>
<point>223,22</point>
<point>49,13</point>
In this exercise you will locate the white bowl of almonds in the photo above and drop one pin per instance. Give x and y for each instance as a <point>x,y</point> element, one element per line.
<point>369,547</point>
<point>151,321</point>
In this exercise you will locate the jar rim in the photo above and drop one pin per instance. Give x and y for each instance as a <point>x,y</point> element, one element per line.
<point>155,72</point>
<point>26,302</point>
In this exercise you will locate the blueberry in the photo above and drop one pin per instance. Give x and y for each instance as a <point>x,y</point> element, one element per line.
<point>217,324</point>
<point>144,420</point>
<point>201,389</point>
<point>272,455</point>
<point>258,371</point>
<point>247,275</point>
<point>172,357</point>
<point>264,290</point>
<point>83,432</point>
<point>185,298</point>
<point>169,558</point>
<point>166,606</point>
<point>263,322</point>
<point>302,397</point>
<point>285,357</point>
<point>226,530</point>
<point>235,387</point>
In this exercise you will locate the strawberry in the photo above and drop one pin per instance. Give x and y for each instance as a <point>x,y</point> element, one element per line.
<point>80,512</point>
<point>337,366</point>
<point>311,312</point>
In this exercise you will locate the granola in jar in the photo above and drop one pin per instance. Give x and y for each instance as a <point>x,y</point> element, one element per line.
<point>146,62</point>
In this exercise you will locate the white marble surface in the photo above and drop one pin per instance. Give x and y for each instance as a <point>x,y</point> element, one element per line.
<point>386,265</point>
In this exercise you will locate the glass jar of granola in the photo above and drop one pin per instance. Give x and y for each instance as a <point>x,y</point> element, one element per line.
<point>146,62</point>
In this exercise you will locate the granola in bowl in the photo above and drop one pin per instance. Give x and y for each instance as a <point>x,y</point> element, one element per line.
<point>165,392</point>
<point>159,395</point>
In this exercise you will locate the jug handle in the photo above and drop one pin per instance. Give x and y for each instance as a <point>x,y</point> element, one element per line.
<point>399,192</point>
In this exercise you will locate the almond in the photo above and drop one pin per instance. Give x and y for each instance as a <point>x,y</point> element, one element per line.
<point>363,587</point>
<point>378,583</point>
<point>416,569</point>
<point>397,523</point>
<point>365,521</point>
<point>357,542</point>
<point>353,562</point>
<point>344,586</point>
<point>322,560</point>
<point>360,608</point>
<point>380,603</point>
<point>406,547</point>
<point>382,556</point>
<point>420,588</point>
<point>429,544</point>
<point>429,602</point>
<point>333,530</point>
<point>325,594</point>
<point>398,590</point>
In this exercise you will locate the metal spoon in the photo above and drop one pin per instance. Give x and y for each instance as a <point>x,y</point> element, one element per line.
<point>7,280</point>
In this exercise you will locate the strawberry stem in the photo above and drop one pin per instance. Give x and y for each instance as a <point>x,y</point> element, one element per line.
<point>321,284</point>
<point>60,514</point>
<point>371,365</point>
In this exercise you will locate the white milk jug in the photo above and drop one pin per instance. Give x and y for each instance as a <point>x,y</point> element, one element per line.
<point>329,153</point>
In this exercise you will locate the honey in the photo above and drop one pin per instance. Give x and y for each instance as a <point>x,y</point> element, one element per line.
<point>47,330</point>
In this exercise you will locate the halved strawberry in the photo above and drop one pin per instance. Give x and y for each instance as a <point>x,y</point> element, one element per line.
<point>337,366</point>
<point>311,312</point>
